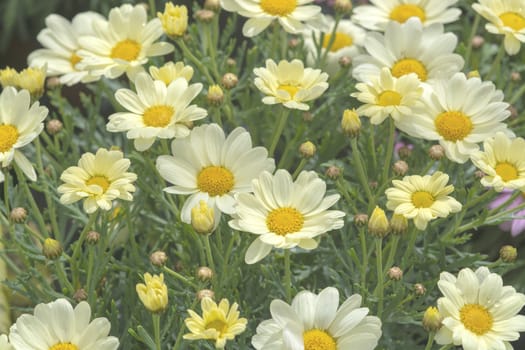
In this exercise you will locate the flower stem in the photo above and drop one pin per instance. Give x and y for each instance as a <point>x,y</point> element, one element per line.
<point>281,123</point>
<point>473,31</point>
<point>430,341</point>
<point>287,276</point>
<point>380,279</point>
<point>364,253</point>
<point>187,53</point>
<point>299,168</point>
<point>390,148</point>
<point>73,261</point>
<point>179,277</point>
<point>495,67</point>
<point>35,210</point>
<point>360,167</point>
<point>156,329</point>
<point>209,257</point>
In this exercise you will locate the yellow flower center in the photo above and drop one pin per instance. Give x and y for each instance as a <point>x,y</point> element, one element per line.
<point>101,181</point>
<point>476,318</point>
<point>215,180</point>
<point>453,125</point>
<point>403,12</point>
<point>291,89</point>
<point>507,171</point>
<point>219,325</point>
<point>409,65</point>
<point>158,116</point>
<point>278,7</point>
<point>8,137</point>
<point>316,339</point>
<point>422,199</point>
<point>64,346</point>
<point>126,50</point>
<point>74,59</point>
<point>341,40</point>
<point>389,98</point>
<point>513,20</point>
<point>284,220</point>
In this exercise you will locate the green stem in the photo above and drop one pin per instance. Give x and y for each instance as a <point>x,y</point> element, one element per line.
<point>281,123</point>
<point>61,275</point>
<point>390,148</point>
<point>492,219</point>
<point>299,168</point>
<point>156,329</point>
<point>35,210</point>
<point>473,31</point>
<point>187,53</point>
<point>330,42</point>
<point>287,276</point>
<point>89,282</point>
<point>380,276</point>
<point>209,257</point>
<point>360,167</point>
<point>392,252</point>
<point>495,67</point>
<point>180,277</point>
<point>410,247</point>
<point>364,253</point>
<point>74,260</point>
<point>430,341</point>
<point>212,51</point>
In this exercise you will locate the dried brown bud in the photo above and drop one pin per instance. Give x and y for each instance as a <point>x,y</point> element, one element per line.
<point>158,258</point>
<point>18,215</point>
<point>343,6</point>
<point>333,172</point>
<point>205,293</point>
<point>231,62</point>
<point>80,295</point>
<point>508,253</point>
<point>478,174</point>
<point>360,219</point>
<point>419,289</point>
<point>92,237</point>
<point>400,168</point>
<point>436,152</point>
<point>404,152</point>
<point>54,126</point>
<point>308,117</point>
<point>513,111</point>
<point>373,185</point>
<point>204,273</point>
<point>53,82</point>
<point>395,273</point>
<point>293,43</point>
<point>229,81</point>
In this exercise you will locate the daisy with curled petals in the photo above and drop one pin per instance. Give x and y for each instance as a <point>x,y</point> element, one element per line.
<point>318,322</point>
<point>57,326</point>
<point>459,113</point>
<point>478,311</point>
<point>213,168</point>
<point>218,322</point>
<point>294,16</point>
<point>388,96</point>
<point>422,198</point>
<point>122,44</point>
<point>290,84</point>
<point>60,40</point>
<point>98,179</point>
<point>506,17</point>
<point>409,48</point>
<point>503,162</point>
<point>285,213</point>
<point>156,110</point>
<point>377,15</point>
<point>20,123</point>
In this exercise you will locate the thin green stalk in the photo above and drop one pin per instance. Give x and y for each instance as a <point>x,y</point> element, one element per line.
<point>287,281</point>
<point>364,253</point>
<point>179,277</point>
<point>300,167</point>
<point>430,341</point>
<point>211,263</point>
<point>62,278</point>
<point>6,193</point>
<point>496,64</point>
<point>35,210</point>
<point>392,251</point>
<point>380,276</point>
<point>187,53</point>
<point>360,167</point>
<point>74,260</point>
<point>281,123</point>
<point>491,219</point>
<point>473,31</point>
<point>390,148</point>
<point>212,51</point>
<point>330,41</point>
<point>89,282</point>
<point>156,329</point>
<point>410,247</point>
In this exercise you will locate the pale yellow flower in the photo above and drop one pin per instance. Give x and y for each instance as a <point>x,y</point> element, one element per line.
<point>174,19</point>
<point>33,79</point>
<point>8,77</point>
<point>202,218</point>
<point>378,224</point>
<point>154,293</point>
<point>171,71</point>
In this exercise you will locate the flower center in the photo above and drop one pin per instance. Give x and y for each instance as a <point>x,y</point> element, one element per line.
<point>278,7</point>
<point>126,50</point>
<point>476,318</point>
<point>409,65</point>
<point>74,59</point>
<point>341,40</point>
<point>8,137</point>
<point>403,12</point>
<point>291,89</point>
<point>217,324</point>
<point>453,125</point>
<point>422,199</point>
<point>284,220</point>
<point>64,346</point>
<point>389,98</point>
<point>513,20</point>
<point>215,180</point>
<point>158,116</point>
<point>507,171</point>
<point>316,339</point>
<point>101,181</point>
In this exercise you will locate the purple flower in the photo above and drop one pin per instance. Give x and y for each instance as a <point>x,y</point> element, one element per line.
<point>515,226</point>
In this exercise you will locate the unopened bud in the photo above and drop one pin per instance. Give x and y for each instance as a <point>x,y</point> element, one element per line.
<point>53,82</point>
<point>395,273</point>
<point>158,258</point>
<point>54,126</point>
<point>307,149</point>
<point>202,218</point>
<point>350,123</point>
<point>18,215</point>
<point>52,249</point>
<point>477,41</point>
<point>215,95</point>
<point>508,253</point>
<point>373,185</point>
<point>204,15</point>
<point>333,172</point>
<point>204,273</point>
<point>80,295</point>
<point>398,224</point>
<point>432,319</point>
<point>419,289</point>
<point>205,293</point>
<point>400,168</point>
<point>436,152</point>
<point>473,74</point>
<point>345,61</point>
<point>378,225</point>
<point>231,62</point>
<point>360,219</point>
<point>478,174</point>
<point>404,151</point>
<point>513,111</point>
<point>93,237</point>
<point>213,5</point>
<point>293,43</point>
<point>343,6</point>
<point>229,81</point>
<point>515,76</point>
<point>308,117</point>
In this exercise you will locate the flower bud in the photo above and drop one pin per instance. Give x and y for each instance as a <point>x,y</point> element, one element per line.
<point>419,289</point>
<point>378,225</point>
<point>343,6</point>
<point>153,293</point>
<point>8,77</point>
<point>432,319</point>
<point>52,249</point>
<point>204,273</point>
<point>213,5</point>
<point>204,15</point>
<point>18,215</point>
<point>230,62</point>
<point>53,82</point>
<point>333,172</point>
<point>54,126</point>
<point>351,124</point>
<point>229,81</point>
<point>158,258</point>
<point>307,149</point>
<point>398,224</point>
<point>345,61</point>
<point>93,237</point>
<point>405,151</point>
<point>202,218</point>
<point>473,74</point>
<point>171,71</point>
<point>215,95</point>
<point>205,293</point>
<point>80,295</point>
<point>515,76</point>
<point>174,19</point>
<point>360,219</point>
<point>293,43</point>
<point>400,168</point>
<point>395,273</point>
<point>508,253</point>
<point>513,111</point>
<point>32,79</point>
<point>436,152</point>
<point>477,41</point>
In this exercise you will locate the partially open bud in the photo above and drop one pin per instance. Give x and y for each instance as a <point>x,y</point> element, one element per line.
<point>400,168</point>
<point>333,172</point>
<point>205,293</point>
<point>158,258</point>
<point>18,215</point>
<point>419,289</point>
<point>174,19</point>
<point>215,95</point>
<point>398,224</point>
<point>378,225</point>
<point>202,218</point>
<point>508,253</point>
<point>54,126</point>
<point>93,237</point>
<point>8,77</point>
<point>436,152</point>
<point>395,273</point>
<point>204,273</point>
<point>432,319</point>
<point>307,149</point>
<point>153,292</point>
<point>52,249</point>
<point>350,123</point>
<point>229,81</point>
<point>33,79</point>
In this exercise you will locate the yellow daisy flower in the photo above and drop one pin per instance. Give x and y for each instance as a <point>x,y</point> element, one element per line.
<point>171,71</point>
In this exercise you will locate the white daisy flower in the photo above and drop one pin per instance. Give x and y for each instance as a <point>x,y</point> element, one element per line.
<point>211,167</point>
<point>171,71</point>
<point>506,17</point>
<point>60,40</point>
<point>422,198</point>
<point>459,113</point>
<point>285,213</point>
<point>156,110</point>
<point>377,15</point>
<point>123,44</point>
<point>290,83</point>
<point>503,162</point>
<point>57,326</point>
<point>98,179</point>
<point>478,311</point>
<point>4,343</point>
<point>409,48</point>
<point>318,322</point>
<point>20,123</point>
<point>294,16</point>
<point>388,96</point>
<point>347,42</point>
